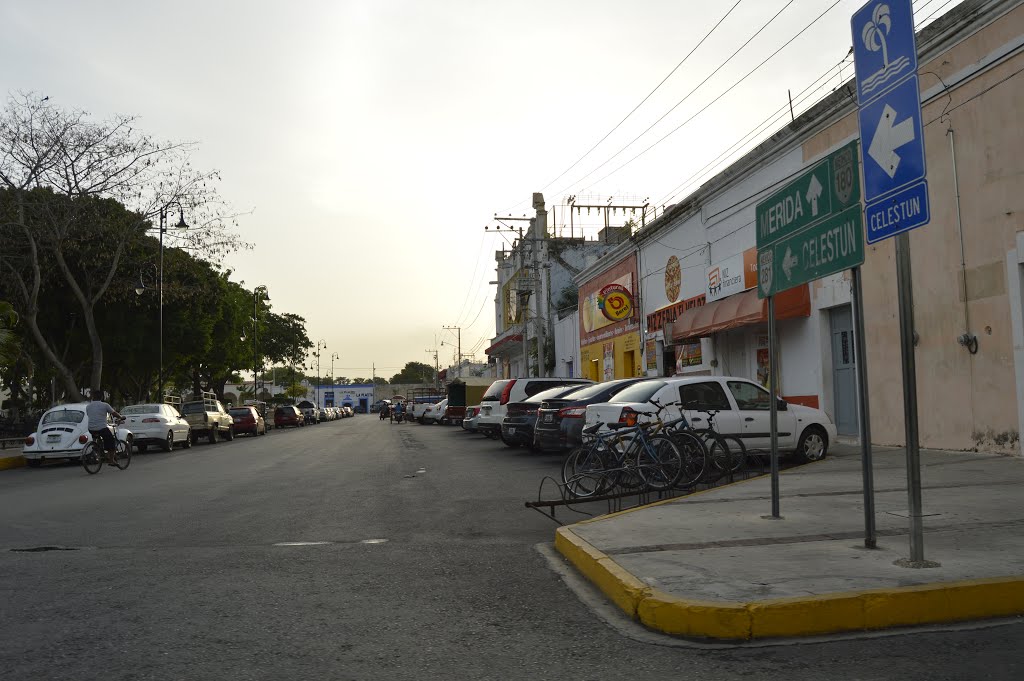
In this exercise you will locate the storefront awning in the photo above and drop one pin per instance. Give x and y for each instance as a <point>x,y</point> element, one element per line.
<point>740,310</point>
<point>504,344</point>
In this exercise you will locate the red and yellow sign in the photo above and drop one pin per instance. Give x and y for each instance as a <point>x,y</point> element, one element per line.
<point>615,302</point>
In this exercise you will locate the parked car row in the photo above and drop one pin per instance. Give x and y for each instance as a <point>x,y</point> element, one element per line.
<point>62,431</point>
<point>550,414</point>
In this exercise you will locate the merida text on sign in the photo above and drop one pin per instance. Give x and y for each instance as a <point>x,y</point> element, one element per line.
<point>788,209</point>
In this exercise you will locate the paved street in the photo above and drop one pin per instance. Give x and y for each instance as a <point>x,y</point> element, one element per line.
<point>179,575</point>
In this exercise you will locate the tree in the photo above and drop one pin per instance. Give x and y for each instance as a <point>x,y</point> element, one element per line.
<point>9,345</point>
<point>380,380</point>
<point>414,372</point>
<point>77,195</point>
<point>295,391</point>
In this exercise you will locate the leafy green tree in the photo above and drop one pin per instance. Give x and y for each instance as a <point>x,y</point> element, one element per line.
<point>77,196</point>
<point>414,372</point>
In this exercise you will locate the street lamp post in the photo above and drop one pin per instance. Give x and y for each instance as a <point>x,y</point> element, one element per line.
<point>261,289</point>
<point>334,356</point>
<point>163,228</point>
<point>320,344</point>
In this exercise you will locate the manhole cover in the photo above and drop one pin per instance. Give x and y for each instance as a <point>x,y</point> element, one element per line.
<point>38,549</point>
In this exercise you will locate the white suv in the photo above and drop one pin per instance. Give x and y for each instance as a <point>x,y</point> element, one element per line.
<point>493,403</point>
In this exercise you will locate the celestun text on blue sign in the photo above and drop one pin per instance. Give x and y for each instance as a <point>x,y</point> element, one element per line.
<point>896,214</point>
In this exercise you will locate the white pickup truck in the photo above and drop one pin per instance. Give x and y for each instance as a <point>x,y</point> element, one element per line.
<point>207,416</point>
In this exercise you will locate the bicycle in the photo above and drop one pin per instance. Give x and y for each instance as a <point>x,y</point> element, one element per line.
<point>626,456</point>
<point>727,452</point>
<point>94,456</point>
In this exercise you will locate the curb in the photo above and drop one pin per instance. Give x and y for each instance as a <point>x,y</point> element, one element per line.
<point>938,603</point>
<point>11,462</point>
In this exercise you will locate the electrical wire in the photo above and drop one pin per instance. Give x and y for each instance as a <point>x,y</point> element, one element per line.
<point>644,100</point>
<point>716,99</point>
<point>687,96</point>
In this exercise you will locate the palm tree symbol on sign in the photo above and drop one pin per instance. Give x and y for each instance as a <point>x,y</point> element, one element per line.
<point>873,36</point>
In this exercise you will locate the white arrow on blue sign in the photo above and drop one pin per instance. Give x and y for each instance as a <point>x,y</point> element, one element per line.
<point>892,134</point>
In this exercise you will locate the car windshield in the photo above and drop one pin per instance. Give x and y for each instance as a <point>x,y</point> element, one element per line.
<point>142,409</point>
<point>193,408</point>
<point>493,393</point>
<point>640,392</point>
<point>63,416</point>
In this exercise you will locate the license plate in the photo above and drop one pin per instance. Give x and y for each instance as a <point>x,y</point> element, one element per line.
<point>53,438</point>
<point>511,431</point>
<point>548,418</point>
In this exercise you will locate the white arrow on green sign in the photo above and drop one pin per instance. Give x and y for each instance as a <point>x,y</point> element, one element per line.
<point>832,245</point>
<point>829,187</point>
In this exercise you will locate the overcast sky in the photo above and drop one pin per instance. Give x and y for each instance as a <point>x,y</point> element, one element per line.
<point>370,142</point>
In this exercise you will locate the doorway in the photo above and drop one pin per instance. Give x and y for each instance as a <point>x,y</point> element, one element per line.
<point>629,364</point>
<point>844,370</point>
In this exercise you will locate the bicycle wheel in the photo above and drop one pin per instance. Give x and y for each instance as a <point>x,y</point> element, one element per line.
<point>727,453</point>
<point>92,459</point>
<point>660,463</point>
<point>123,454</point>
<point>584,472</point>
<point>695,459</point>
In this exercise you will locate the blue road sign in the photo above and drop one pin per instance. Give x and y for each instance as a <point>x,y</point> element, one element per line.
<point>898,212</point>
<point>892,140</point>
<point>884,48</point>
<point>891,130</point>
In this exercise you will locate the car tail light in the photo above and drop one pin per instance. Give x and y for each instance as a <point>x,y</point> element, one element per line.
<point>151,420</point>
<point>83,438</point>
<point>628,416</point>
<point>30,440</point>
<point>507,392</point>
<point>572,412</point>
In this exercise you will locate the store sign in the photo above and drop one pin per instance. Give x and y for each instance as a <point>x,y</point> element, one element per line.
<point>615,302</point>
<point>673,278</point>
<point>735,274</point>
<point>688,355</point>
<point>651,350</point>
<point>608,351</point>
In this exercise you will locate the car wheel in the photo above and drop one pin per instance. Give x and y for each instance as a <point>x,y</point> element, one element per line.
<point>187,443</point>
<point>508,443</point>
<point>33,463</point>
<point>142,449</point>
<point>213,435</point>
<point>231,434</point>
<point>168,445</point>
<point>813,445</point>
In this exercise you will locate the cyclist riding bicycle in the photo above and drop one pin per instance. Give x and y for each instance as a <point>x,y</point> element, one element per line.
<point>97,411</point>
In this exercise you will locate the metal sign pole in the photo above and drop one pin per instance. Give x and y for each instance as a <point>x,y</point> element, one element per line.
<point>863,412</point>
<point>906,306</point>
<point>773,409</point>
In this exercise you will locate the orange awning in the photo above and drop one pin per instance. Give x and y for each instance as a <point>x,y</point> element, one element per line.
<point>740,310</point>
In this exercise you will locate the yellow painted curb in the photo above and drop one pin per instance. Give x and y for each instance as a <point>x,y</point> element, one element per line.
<point>11,462</point>
<point>625,590</point>
<point>792,617</point>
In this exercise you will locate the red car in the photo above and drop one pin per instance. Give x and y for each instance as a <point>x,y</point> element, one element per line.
<point>248,420</point>
<point>288,416</point>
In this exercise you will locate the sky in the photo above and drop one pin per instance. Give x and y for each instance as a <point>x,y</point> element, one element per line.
<point>367,144</point>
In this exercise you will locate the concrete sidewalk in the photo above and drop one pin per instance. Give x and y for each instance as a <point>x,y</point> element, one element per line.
<point>710,566</point>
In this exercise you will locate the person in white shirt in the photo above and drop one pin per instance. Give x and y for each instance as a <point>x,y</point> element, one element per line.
<point>97,411</point>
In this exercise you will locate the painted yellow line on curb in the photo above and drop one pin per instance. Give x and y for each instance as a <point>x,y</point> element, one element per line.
<point>937,603</point>
<point>11,462</point>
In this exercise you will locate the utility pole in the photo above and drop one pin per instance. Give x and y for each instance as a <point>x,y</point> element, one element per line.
<point>527,285</point>
<point>458,330</point>
<point>437,382</point>
<point>540,232</point>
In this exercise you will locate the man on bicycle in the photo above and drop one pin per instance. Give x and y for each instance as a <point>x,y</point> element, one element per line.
<point>97,411</point>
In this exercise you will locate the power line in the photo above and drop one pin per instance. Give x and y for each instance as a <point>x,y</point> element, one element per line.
<point>644,100</point>
<point>687,96</point>
<point>716,99</point>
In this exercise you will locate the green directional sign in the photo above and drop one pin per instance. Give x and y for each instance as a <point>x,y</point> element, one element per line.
<point>832,245</point>
<point>829,187</point>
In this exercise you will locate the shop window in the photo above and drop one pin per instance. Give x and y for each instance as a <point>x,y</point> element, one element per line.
<point>707,396</point>
<point>749,396</point>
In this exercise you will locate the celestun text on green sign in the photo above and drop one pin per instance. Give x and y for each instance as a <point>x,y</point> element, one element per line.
<point>836,243</point>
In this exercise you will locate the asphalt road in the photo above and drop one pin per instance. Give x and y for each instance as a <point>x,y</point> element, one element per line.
<point>179,574</point>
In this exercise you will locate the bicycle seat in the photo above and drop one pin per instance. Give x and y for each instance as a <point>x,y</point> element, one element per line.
<point>590,430</point>
<point>616,425</point>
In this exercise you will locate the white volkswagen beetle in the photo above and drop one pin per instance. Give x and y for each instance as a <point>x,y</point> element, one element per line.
<point>62,433</point>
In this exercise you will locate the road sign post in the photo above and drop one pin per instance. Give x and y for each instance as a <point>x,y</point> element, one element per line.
<point>895,184</point>
<point>812,227</point>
